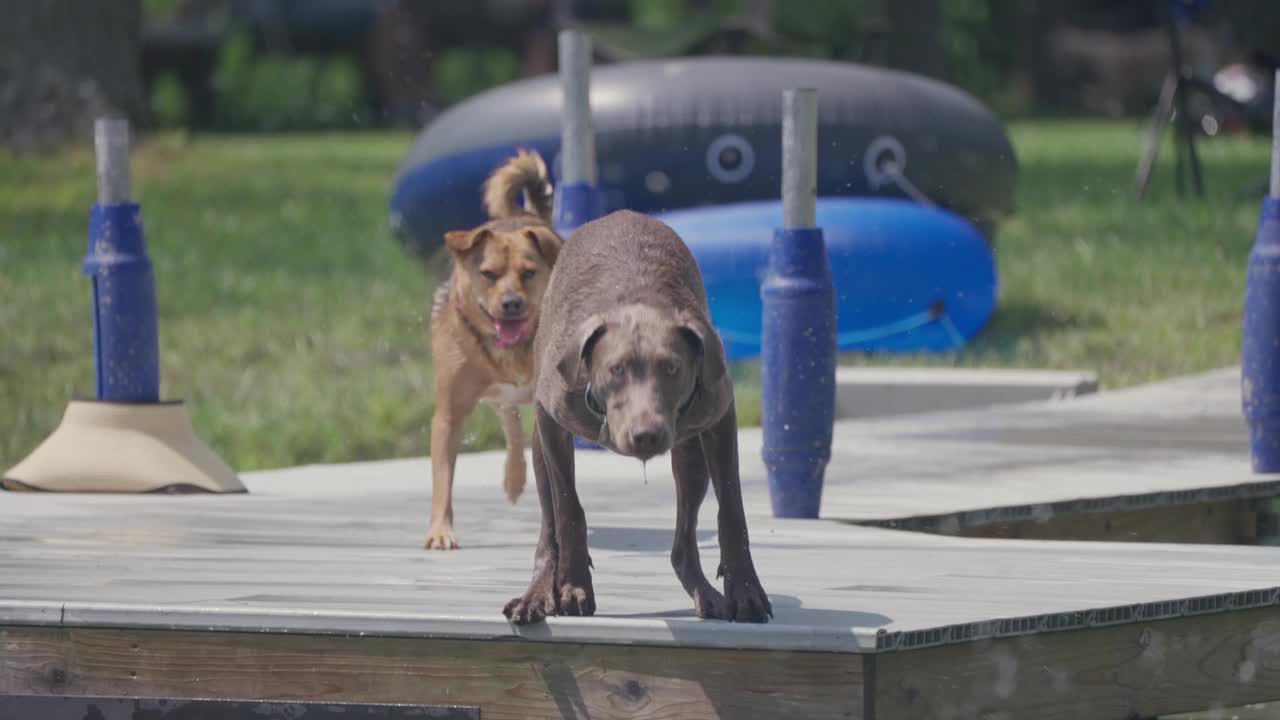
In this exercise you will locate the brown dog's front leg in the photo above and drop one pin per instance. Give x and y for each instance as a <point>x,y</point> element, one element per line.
<point>689,466</point>
<point>446,438</point>
<point>745,598</point>
<point>539,600</point>
<point>513,470</point>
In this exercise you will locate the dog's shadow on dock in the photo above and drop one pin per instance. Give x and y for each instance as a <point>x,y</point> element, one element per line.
<point>787,610</point>
<point>637,539</point>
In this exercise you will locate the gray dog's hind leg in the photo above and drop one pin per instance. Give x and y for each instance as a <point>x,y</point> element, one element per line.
<point>689,466</point>
<point>539,600</point>
<point>745,598</point>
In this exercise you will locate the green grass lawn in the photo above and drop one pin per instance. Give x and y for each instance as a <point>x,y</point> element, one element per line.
<point>293,324</point>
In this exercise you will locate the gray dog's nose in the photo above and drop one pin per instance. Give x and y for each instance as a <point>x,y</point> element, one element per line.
<point>648,441</point>
<point>512,304</point>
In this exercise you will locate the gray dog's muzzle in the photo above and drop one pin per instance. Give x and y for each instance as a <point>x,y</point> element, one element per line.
<point>593,404</point>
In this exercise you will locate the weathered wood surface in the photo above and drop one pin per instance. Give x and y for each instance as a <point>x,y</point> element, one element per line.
<point>507,680</point>
<point>1173,443</point>
<point>337,549</point>
<point>333,553</point>
<point>1133,671</point>
<point>1228,522</point>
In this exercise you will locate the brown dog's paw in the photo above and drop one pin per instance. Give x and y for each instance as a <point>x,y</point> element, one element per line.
<point>744,598</point>
<point>577,599</point>
<point>531,607</point>
<point>440,537</point>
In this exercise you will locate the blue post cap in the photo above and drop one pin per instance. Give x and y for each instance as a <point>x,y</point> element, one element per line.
<point>1260,342</point>
<point>797,370</point>
<point>125,335</point>
<point>795,483</point>
<point>576,204</point>
<point>115,239</point>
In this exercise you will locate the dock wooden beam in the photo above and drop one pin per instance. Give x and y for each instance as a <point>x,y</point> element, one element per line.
<point>1124,671</point>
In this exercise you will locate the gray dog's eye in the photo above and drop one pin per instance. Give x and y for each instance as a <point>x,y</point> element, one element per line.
<point>668,367</point>
<point>616,369</point>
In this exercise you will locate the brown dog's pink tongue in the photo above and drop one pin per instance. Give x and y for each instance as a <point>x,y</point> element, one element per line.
<point>507,332</point>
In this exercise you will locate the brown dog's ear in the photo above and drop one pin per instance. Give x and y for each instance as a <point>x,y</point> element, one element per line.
<point>462,242</point>
<point>546,241</point>
<point>578,353</point>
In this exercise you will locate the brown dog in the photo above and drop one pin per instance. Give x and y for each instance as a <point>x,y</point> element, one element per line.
<point>483,320</point>
<point>627,355</point>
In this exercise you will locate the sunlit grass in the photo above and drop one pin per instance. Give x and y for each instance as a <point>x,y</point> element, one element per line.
<point>293,323</point>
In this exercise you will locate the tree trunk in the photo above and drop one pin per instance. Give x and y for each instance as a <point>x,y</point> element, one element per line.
<point>63,63</point>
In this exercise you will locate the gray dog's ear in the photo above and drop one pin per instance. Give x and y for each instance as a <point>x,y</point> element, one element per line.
<point>713,393</point>
<point>570,363</point>
<point>707,348</point>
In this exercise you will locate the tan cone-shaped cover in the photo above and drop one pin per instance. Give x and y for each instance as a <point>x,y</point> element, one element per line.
<point>123,448</point>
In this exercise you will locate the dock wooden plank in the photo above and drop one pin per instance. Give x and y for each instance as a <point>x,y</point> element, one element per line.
<point>1134,671</point>
<point>1226,522</point>
<point>508,680</point>
<point>315,583</point>
<point>1173,443</point>
<point>353,563</point>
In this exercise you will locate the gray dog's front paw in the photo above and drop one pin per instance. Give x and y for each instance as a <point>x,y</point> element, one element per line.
<point>534,606</point>
<point>744,598</point>
<point>708,602</point>
<point>577,599</point>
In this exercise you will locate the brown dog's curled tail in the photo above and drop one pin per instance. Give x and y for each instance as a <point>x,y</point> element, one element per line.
<point>525,173</point>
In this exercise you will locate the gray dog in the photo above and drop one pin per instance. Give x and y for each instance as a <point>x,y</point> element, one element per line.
<point>626,354</point>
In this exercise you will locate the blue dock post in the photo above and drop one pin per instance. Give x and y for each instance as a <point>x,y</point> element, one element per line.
<point>798,339</point>
<point>1260,337</point>
<point>126,344</point>
<point>577,196</point>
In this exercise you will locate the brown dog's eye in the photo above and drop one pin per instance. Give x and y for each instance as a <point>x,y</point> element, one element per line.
<point>489,275</point>
<point>527,275</point>
<point>616,369</point>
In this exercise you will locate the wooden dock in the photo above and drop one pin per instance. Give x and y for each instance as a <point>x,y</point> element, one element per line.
<point>312,589</point>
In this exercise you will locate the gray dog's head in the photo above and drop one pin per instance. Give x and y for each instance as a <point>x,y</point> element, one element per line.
<point>644,368</point>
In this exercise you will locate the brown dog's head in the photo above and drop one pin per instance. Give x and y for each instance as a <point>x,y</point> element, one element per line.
<point>645,368</point>
<point>501,272</point>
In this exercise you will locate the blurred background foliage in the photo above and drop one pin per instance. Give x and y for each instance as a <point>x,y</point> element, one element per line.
<point>281,65</point>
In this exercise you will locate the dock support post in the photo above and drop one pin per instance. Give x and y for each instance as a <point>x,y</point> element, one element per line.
<point>577,198</point>
<point>1260,338</point>
<point>798,341</point>
<point>126,440</point>
<point>126,343</point>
